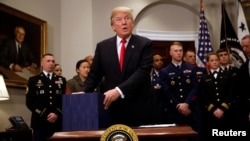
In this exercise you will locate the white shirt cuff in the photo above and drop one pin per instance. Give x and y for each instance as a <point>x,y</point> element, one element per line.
<point>120,92</point>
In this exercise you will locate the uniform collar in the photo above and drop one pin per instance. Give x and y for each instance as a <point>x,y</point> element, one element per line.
<point>46,73</point>
<point>177,64</point>
<point>217,70</point>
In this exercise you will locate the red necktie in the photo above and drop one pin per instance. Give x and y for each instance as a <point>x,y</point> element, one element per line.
<point>122,53</point>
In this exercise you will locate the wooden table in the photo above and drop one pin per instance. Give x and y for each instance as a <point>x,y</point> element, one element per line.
<point>175,133</point>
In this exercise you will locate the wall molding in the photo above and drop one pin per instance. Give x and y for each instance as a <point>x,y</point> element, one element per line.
<point>171,36</point>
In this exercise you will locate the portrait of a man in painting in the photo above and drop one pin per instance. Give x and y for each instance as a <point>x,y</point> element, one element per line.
<point>22,43</point>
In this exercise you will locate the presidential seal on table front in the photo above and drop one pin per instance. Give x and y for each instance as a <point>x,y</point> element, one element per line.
<point>119,132</point>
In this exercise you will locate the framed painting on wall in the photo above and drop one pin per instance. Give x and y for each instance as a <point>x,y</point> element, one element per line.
<point>35,37</point>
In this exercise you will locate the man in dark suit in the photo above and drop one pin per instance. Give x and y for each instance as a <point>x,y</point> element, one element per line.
<point>15,54</point>
<point>127,90</point>
<point>244,80</point>
<point>44,100</point>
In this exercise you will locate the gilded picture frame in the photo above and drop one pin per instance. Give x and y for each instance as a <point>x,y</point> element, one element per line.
<point>35,37</point>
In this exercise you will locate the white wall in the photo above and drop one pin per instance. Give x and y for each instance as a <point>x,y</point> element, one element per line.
<point>77,34</point>
<point>75,26</point>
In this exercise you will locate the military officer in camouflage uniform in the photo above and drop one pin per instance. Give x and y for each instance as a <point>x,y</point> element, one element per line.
<point>44,100</point>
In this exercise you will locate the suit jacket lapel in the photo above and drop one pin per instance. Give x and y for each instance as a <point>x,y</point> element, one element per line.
<point>114,53</point>
<point>129,51</point>
<point>14,46</point>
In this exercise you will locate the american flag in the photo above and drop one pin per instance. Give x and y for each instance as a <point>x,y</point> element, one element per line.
<point>204,38</point>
